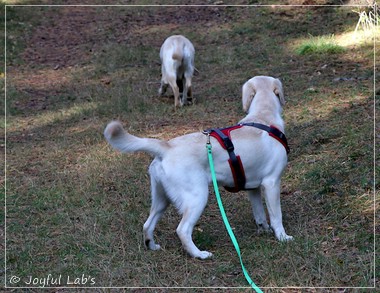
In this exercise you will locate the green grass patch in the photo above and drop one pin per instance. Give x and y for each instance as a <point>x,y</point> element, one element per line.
<point>320,45</point>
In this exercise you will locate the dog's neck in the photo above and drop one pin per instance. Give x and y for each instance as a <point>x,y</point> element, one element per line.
<point>266,112</point>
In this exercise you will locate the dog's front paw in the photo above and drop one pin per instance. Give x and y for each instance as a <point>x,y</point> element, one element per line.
<point>285,238</point>
<point>204,255</point>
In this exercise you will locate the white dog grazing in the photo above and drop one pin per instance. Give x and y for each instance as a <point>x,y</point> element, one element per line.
<point>180,172</point>
<point>177,59</point>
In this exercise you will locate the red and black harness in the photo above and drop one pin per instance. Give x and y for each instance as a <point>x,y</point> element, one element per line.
<point>223,135</point>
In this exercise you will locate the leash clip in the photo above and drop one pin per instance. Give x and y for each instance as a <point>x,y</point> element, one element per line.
<point>207,132</point>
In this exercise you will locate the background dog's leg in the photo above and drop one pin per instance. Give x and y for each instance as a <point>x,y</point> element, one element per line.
<point>163,88</point>
<point>173,84</point>
<point>272,198</point>
<point>191,212</point>
<point>188,95</point>
<point>181,83</point>
<point>258,210</point>
<point>159,205</point>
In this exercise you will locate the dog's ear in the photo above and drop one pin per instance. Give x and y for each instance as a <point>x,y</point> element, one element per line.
<point>279,92</point>
<point>247,95</point>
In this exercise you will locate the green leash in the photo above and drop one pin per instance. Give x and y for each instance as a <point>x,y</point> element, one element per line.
<point>225,220</point>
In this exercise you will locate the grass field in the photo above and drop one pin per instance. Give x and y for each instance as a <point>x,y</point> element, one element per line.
<point>75,207</point>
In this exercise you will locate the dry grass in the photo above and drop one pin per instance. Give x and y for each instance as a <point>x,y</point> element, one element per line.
<point>74,206</point>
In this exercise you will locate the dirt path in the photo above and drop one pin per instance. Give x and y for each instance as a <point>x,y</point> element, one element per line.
<point>69,36</point>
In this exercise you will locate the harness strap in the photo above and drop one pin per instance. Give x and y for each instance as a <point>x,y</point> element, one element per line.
<point>235,162</point>
<point>273,131</point>
<point>236,165</point>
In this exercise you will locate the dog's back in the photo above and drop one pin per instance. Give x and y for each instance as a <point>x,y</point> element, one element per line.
<point>177,53</point>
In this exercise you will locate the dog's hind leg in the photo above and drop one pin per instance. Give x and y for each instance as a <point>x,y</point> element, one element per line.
<point>163,88</point>
<point>258,210</point>
<point>159,205</point>
<point>164,84</point>
<point>188,93</point>
<point>192,210</point>
<point>272,198</point>
<point>173,84</point>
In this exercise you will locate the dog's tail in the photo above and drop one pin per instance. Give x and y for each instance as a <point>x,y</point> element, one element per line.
<point>178,53</point>
<point>128,143</point>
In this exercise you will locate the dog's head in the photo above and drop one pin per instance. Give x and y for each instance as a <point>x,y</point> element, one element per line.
<point>261,84</point>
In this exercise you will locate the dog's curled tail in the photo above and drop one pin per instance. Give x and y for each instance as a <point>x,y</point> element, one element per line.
<point>128,143</point>
<point>178,52</point>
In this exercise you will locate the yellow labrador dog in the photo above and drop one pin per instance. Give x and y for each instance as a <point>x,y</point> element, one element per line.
<point>177,59</point>
<point>180,172</point>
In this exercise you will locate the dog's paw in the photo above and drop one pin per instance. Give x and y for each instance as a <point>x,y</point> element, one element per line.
<point>155,247</point>
<point>204,255</point>
<point>151,245</point>
<point>190,101</point>
<point>263,228</point>
<point>286,238</point>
